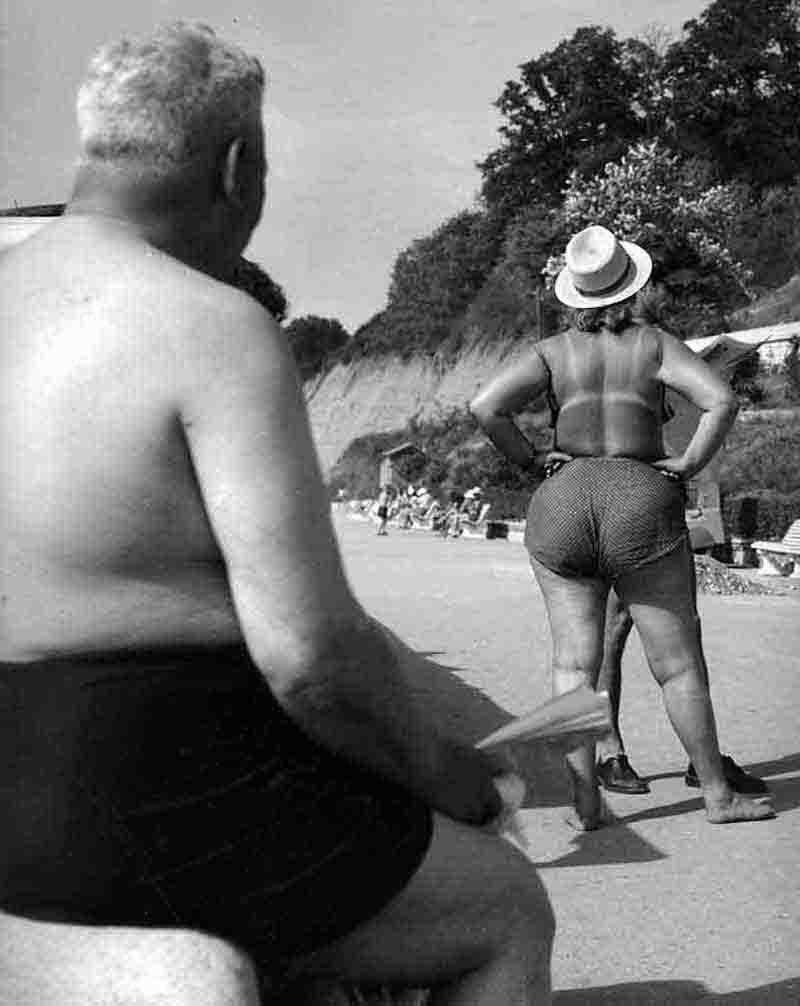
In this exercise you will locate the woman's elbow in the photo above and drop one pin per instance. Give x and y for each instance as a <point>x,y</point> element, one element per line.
<point>729,404</point>
<point>481,410</point>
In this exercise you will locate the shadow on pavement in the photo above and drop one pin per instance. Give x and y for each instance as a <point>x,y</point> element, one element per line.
<point>785,792</point>
<point>462,709</point>
<point>615,843</point>
<point>466,711</point>
<point>680,993</point>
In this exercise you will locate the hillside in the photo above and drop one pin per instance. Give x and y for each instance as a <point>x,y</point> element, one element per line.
<point>380,394</point>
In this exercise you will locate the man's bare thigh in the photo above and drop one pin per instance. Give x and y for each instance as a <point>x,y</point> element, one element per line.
<point>452,916</point>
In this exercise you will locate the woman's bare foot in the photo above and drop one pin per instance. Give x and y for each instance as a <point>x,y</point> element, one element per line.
<point>737,807</point>
<point>581,822</point>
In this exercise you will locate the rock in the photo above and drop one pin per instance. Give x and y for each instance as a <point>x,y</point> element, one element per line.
<point>714,577</point>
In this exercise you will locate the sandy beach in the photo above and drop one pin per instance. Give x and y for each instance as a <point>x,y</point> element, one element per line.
<point>661,907</point>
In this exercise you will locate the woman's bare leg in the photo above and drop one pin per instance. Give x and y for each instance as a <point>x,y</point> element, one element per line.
<point>617,630</point>
<point>660,598</point>
<point>474,924</point>
<point>576,611</point>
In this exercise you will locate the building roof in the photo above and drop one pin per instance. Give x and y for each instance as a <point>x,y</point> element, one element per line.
<point>728,348</point>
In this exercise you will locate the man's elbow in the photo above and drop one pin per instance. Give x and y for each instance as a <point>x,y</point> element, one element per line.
<point>303,666</point>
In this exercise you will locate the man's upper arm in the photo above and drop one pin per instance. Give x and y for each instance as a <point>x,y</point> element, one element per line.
<point>249,436</point>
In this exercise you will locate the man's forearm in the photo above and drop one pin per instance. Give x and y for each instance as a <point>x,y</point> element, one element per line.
<point>356,703</point>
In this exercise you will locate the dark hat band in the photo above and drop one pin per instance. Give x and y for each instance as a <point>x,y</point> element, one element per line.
<point>612,287</point>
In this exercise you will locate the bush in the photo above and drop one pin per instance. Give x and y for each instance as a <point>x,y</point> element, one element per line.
<point>762,452</point>
<point>760,516</point>
<point>454,456</point>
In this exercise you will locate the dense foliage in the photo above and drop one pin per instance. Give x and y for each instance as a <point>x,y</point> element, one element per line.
<point>314,342</point>
<point>735,87</point>
<point>761,460</point>
<point>250,277</point>
<point>691,146</point>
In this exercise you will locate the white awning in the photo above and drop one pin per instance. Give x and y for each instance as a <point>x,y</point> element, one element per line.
<point>15,229</point>
<point>727,349</point>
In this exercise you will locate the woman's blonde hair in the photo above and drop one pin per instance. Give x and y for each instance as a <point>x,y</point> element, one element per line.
<point>162,99</point>
<point>614,317</point>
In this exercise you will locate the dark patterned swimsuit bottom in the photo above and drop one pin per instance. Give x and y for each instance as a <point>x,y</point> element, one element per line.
<point>168,788</point>
<point>602,517</point>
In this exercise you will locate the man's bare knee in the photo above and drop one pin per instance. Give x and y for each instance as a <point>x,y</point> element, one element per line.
<point>57,964</point>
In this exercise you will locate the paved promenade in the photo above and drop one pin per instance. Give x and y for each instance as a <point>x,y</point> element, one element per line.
<point>661,907</point>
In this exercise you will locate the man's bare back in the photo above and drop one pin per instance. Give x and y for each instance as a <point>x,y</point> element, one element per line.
<point>160,499</point>
<point>106,541</point>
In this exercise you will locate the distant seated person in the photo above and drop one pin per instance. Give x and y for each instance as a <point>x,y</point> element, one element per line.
<point>451,522</point>
<point>474,507</point>
<point>421,503</point>
<point>434,515</point>
<point>404,510</point>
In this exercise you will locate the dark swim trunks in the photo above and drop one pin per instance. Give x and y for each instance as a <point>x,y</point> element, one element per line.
<point>602,517</point>
<point>169,789</point>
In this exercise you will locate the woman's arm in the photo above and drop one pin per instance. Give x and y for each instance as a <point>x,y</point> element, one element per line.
<point>506,395</point>
<point>689,375</point>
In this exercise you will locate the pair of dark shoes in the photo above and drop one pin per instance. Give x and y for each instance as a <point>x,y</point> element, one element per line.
<point>617,774</point>
<point>735,776</point>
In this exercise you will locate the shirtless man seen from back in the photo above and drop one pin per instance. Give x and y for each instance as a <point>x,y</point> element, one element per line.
<point>201,729</point>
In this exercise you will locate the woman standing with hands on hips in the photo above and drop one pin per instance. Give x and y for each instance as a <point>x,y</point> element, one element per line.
<point>610,512</point>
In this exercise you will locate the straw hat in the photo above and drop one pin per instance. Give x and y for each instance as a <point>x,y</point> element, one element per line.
<point>601,270</point>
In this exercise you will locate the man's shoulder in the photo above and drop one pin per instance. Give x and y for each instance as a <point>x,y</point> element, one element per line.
<point>208,310</point>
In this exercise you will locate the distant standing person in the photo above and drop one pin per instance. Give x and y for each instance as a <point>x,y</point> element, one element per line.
<point>384,500</point>
<point>611,513</point>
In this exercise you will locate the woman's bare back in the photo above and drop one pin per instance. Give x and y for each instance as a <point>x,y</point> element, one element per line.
<point>605,393</point>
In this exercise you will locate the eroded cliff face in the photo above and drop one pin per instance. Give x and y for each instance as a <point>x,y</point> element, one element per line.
<point>379,396</point>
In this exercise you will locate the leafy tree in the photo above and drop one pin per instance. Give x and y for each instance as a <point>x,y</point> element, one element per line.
<point>314,341</point>
<point>735,81</point>
<point>436,278</point>
<point>762,454</point>
<point>250,277</point>
<point>766,234</point>
<point>572,110</point>
<point>649,198</point>
<point>745,380</point>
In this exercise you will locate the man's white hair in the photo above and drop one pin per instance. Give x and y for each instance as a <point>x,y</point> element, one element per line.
<point>162,99</point>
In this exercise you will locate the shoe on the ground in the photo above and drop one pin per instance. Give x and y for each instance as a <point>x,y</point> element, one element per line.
<point>616,774</point>
<point>735,776</point>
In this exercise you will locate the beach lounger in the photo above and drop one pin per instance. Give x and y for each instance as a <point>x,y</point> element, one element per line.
<point>780,558</point>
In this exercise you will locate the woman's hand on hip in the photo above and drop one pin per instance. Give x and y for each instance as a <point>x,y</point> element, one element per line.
<point>673,468</point>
